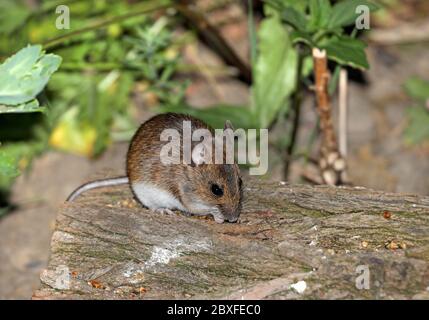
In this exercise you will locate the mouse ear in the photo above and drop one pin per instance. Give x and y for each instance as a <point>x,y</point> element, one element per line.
<point>228,125</point>
<point>200,154</point>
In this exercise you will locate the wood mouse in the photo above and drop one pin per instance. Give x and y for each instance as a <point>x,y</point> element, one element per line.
<point>194,188</point>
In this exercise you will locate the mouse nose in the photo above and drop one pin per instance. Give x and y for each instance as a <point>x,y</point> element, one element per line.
<point>230,214</point>
<point>232,219</point>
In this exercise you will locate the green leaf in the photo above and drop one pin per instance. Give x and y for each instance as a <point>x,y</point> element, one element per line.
<point>293,17</point>
<point>320,12</point>
<point>418,127</point>
<point>25,74</point>
<point>344,13</point>
<point>417,88</point>
<point>307,66</point>
<point>346,51</point>
<point>299,5</point>
<point>274,73</point>
<point>8,165</point>
<point>14,158</point>
<point>31,106</point>
<point>13,14</point>
<point>303,37</point>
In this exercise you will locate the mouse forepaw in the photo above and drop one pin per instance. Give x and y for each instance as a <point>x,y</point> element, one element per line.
<point>163,211</point>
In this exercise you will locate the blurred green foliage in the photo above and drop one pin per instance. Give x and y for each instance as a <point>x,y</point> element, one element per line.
<point>417,130</point>
<point>115,47</point>
<point>285,37</point>
<point>321,24</point>
<point>22,77</point>
<point>274,80</point>
<point>111,46</point>
<point>153,56</point>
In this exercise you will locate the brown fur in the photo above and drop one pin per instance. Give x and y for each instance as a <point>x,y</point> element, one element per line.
<point>188,183</point>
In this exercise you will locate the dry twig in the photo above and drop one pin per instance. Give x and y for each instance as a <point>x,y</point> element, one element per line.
<point>331,162</point>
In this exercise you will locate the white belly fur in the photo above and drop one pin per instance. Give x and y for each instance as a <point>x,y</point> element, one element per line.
<point>155,198</point>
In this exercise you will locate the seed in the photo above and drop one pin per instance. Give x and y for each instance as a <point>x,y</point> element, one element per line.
<point>142,290</point>
<point>95,284</point>
<point>387,214</point>
<point>391,245</point>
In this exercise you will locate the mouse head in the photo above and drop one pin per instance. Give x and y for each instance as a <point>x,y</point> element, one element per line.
<point>213,189</point>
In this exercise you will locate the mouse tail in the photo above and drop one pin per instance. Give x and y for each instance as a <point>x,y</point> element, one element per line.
<point>97,184</point>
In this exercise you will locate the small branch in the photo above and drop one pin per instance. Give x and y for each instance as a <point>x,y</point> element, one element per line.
<point>209,34</point>
<point>56,40</point>
<point>322,97</point>
<point>331,163</point>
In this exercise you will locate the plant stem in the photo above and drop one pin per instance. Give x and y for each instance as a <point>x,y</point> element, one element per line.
<point>56,40</point>
<point>296,113</point>
<point>331,163</point>
<point>211,36</point>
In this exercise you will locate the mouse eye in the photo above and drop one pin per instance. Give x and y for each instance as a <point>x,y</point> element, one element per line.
<point>216,190</point>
